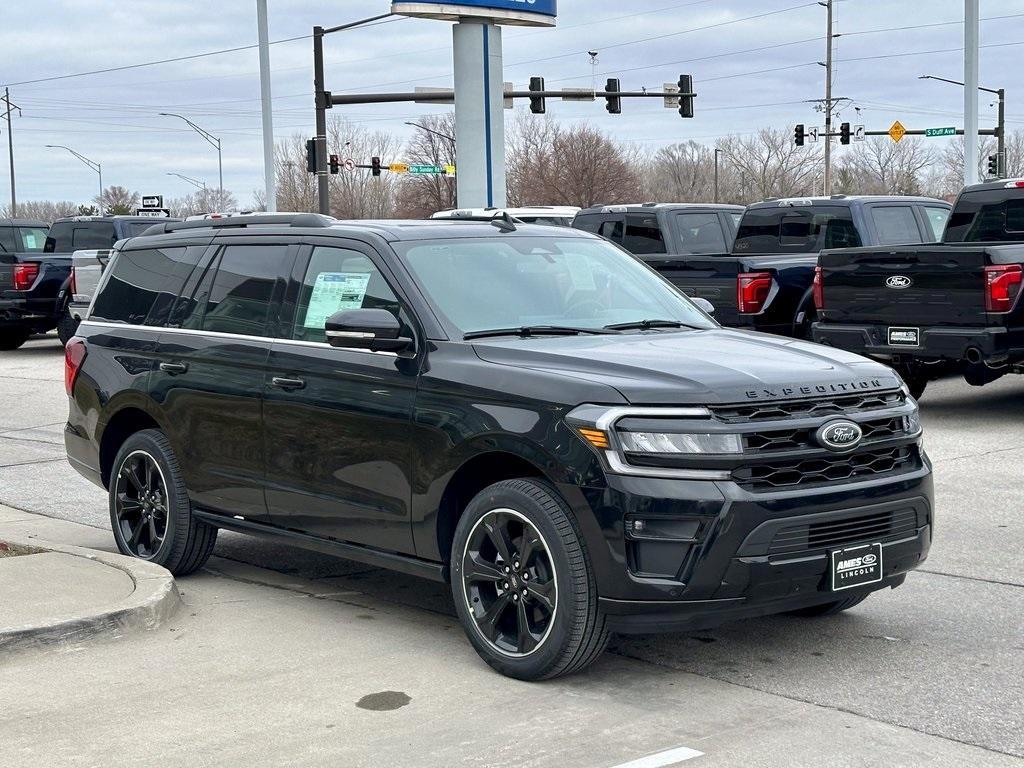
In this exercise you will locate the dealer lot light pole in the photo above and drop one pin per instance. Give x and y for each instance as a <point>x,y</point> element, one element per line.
<point>214,142</point>
<point>91,163</point>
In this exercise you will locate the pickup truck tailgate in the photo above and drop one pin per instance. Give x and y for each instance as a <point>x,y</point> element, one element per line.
<point>712,278</point>
<point>914,285</point>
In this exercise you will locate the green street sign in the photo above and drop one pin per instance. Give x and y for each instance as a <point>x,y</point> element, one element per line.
<point>940,131</point>
<point>425,169</point>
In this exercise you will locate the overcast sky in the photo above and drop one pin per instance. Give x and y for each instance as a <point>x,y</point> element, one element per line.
<point>113,117</point>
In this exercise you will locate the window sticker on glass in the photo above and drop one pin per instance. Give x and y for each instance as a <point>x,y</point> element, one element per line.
<point>30,242</point>
<point>333,292</point>
<point>580,272</point>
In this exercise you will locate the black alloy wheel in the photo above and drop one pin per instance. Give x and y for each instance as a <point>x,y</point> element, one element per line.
<point>509,582</point>
<point>140,505</point>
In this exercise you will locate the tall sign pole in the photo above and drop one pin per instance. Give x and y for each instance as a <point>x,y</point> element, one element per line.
<point>269,167</point>
<point>971,91</point>
<point>828,99</point>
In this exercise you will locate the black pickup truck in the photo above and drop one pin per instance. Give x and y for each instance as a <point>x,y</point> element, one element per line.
<point>27,278</point>
<point>761,278</point>
<point>940,309</point>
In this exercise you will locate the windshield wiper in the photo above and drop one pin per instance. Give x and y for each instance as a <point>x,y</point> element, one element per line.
<point>538,330</point>
<point>645,325</point>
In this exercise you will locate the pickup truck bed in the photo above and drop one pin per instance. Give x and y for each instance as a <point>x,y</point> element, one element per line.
<point>951,307</point>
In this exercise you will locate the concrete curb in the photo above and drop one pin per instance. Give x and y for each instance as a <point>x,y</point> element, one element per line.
<point>153,601</point>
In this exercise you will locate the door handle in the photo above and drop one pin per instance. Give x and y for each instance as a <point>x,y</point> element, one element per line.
<point>174,369</point>
<point>282,383</point>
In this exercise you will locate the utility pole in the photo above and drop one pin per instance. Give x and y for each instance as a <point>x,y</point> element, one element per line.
<point>10,146</point>
<point>828,98</point>
<point>971,15</point>
<point>269,167</point>
<point>717,153</point>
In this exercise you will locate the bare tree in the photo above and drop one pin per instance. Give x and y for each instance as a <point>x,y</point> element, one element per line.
<point>880,166</point>
<point>551,164</point>
<point>117,201</point>
<point>43,210</point>
<point>769,164</point>
<point>952,163</point>
<point>433,143</point>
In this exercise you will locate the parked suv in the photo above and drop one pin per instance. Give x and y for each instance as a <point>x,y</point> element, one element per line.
<point>526,412</point>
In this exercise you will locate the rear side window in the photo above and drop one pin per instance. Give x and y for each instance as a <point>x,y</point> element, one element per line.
<point>8,243</point>
<point>143,284</point>
<point>22,239</point>
<point>58,239</point>
<point>643,235</point>
<point>339,279</point>
<point>93,234</point>
<point>937,218</point>
<point>701,233</point>
<point>789,229</point>
<point>896,225</point>
<point>989,215</point>
<point>242,289</point>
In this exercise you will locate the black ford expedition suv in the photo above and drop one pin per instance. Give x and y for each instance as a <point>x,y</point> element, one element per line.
<point>931,310</point>
<point>527,412</point>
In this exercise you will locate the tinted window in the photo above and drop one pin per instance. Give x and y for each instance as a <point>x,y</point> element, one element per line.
<point>989,215</point>
<point>31,238</point>
<point>737,217</point>
<point>896,225</point>
<point>485,284</point>
<point>643,235</point>
<point>700,233</point>
<point>89,235</point>
<point>937,218</point>
<point>805,229</point>
<point>588,222</point>
<point>136,228</point>
<point>8,242</point>
<point>240,295</point>
<point>339,279</point>
<point>58,239</point>
<point>143,284</point>
<point>611,229</point>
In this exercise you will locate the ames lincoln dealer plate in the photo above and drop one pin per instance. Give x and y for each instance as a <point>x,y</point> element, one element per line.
<point>904,337</point>
<point>855,566</point>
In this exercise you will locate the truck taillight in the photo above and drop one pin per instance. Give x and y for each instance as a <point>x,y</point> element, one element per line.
<point>25,275</point>
<point>73,285</point>
<point>819,290</point>
<point>1002,286</point>
<point>752,289</point>
<point>74,356</point>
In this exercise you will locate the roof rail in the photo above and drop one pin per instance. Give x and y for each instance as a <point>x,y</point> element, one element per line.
<point>309,220</point>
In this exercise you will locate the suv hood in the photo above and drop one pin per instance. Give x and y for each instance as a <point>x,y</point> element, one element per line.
<point>696,367</point>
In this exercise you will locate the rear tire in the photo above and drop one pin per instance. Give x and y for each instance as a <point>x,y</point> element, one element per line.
<point>67,327</point>
<point>522,583</point>
<point>13,338</point>
<point>150,512</point>
<point>829,609</point>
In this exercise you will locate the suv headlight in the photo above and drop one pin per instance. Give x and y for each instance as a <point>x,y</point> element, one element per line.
<point>680,442</point>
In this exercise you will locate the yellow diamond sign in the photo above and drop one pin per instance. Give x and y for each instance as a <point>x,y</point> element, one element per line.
<point>897,131</point>
<point>399,167</point>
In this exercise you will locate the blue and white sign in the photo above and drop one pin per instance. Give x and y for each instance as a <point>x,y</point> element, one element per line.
<point>537,13</point>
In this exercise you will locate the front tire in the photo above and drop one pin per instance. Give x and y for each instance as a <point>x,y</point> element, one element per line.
<point>830,609</point>
<point>150,512</point>
<point>13,338</point>
<point>522,583</point>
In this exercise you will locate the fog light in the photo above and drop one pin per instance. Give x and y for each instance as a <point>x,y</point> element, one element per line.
<point>661,528</point>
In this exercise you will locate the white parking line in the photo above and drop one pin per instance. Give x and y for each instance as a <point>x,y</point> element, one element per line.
<point>662,759</point>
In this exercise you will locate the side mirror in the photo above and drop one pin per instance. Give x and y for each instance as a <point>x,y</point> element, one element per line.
<point>376,330</point>
<point>704,305</point>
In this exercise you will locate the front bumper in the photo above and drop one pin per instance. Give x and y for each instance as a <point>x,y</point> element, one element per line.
<point>951,344</point>
<point>731,569</point>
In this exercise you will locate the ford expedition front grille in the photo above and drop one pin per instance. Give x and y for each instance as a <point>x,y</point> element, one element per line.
<point>826,469</point>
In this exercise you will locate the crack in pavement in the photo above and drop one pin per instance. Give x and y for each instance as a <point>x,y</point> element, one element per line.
<point>34,461</point>
<point>29,429</point>
<point>978,455</point>
<point>970,578</point>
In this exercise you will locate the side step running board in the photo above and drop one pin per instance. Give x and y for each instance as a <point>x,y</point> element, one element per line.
<point>375,557</point>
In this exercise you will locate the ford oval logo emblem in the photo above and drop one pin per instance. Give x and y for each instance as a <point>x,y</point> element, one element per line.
<point>869,559</point>
<point>899,282</point>
<point>839,435</point>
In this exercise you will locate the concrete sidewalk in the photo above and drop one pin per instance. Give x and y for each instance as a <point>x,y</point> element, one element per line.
<point>52,592</point>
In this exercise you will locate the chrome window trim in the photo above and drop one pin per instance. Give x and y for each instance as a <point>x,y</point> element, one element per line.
<point>232,336</point>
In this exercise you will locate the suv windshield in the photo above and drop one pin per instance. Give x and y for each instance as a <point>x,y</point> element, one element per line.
<point>796,229</point>
<point>486,284</point>
<point>990,215</point>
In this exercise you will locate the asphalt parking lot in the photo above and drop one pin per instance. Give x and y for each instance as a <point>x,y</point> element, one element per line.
<point>275,651</point>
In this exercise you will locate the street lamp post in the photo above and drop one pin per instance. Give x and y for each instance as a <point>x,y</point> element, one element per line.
<point>92,164</point>
<point>430,130</point>
<point>1001,97</point>
<point>213,141</point>
<point>194,182</point>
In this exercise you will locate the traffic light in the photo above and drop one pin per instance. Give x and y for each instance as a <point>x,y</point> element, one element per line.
<point>335,164</point>
<point>798,134</point>
<point>311,155</point>
<point>375,166</point>
<point>844,133</point>
<point>614,105</point>
<point>685,95</point>
<point>538,104</point>
<point>993,166</point>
